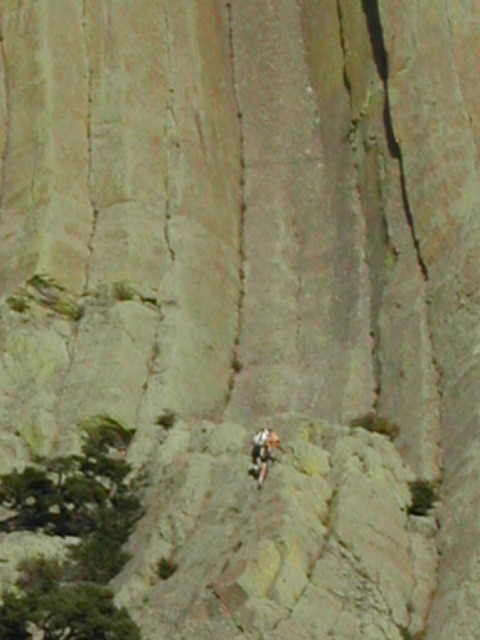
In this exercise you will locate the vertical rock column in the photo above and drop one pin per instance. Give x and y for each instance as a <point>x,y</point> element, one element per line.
<point>435,128</point>
<point>165,176</point>
<point>405,375</point>
<point>304,344</point>
<point>45,216</point>
<point>120,220</point>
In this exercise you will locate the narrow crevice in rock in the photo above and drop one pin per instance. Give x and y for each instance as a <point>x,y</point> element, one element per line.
<point>7,116</point>
<point>346,80</point>
<point>371,10</point>
<point>171,136</point>
<point>93,204</point>
<point>372,14</point>
<point>373,257</point>
<point>170,132</point>
<point>236,364</point>
<point>71,341</point>
<point>168,216</point>
<point>298,293</point>
<point>155,353</point>
<point>290,612</point>
<point>225,610</point>
<point>70,346</point>
<point>408,214</point>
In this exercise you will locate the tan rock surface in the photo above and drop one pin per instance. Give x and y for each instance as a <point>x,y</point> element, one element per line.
<point>324,550</point>
<point>303,266</point>
<point>238,214</point>
<point>434,122</point>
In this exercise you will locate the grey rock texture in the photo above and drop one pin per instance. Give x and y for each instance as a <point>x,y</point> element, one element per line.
<point>304,342</point>
<point>327,549</point>
<point>235,214</point>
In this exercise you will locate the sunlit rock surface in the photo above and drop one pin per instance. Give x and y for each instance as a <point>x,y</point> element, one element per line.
<point>218,215</point>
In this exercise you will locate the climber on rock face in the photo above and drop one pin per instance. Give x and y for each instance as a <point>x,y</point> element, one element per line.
<point>262,444</point>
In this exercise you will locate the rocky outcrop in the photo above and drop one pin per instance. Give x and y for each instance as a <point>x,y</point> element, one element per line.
<point>220,215</point>
<point>327,549</point>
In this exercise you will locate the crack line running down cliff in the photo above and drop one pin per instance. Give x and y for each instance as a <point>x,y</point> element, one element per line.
<point>372,14</point>
<point>72,339</point>
<point>354,138</point>
<point>93,204</point>
<point>172,147</point>
<point>236,364</point>
<point>172,139</point>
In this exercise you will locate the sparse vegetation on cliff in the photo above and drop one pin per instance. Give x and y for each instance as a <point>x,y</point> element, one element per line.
<point>167,419</point>
<point>59,609</point>
<point>45,291</point>
<point>19,301</point>
<point>376,424</point>
<point>90,496</point>
<point>423,497</point>
<point>166,567</point>
<point>123,291</point>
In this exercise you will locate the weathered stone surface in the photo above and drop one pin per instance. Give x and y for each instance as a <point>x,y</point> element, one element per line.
<point>399,328</point>
<point>325,548</point>
<point>33,366</point>
<point>435,125</point>
<point>305,281</point>
<point>268,207</point>
<point>97,382</point>
<point>366,467</point>
<point>18,546</point>
<point>424,558</point>
<point>120,181</point>
<point>46,218</point>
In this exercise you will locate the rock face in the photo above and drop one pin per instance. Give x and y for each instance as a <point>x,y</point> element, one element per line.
<point>327,549</point>
<point>244,213</point>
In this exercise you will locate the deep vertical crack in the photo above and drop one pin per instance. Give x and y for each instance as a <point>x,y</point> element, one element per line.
<point>298,292</point>
<point>236,363</point>
<point>373,257</point>
<point>379,228</point>
<point>168,216</point>
<point>155,352</point>
<point>72,339</point>
<point>346,80</point>
<point>93,204</point>
<point>372,14</point>
<point>172,142</point>
<point>172,145</point>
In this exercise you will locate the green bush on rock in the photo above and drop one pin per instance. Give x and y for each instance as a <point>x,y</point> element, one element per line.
<point>376,424</point>
<point>423,497</point>
<point>91,496</point>
<point>77,611</point>
<point>74,495</point>
<point>166,567</point>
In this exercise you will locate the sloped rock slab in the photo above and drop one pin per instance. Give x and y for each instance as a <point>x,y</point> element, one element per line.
<point>324,550</point>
